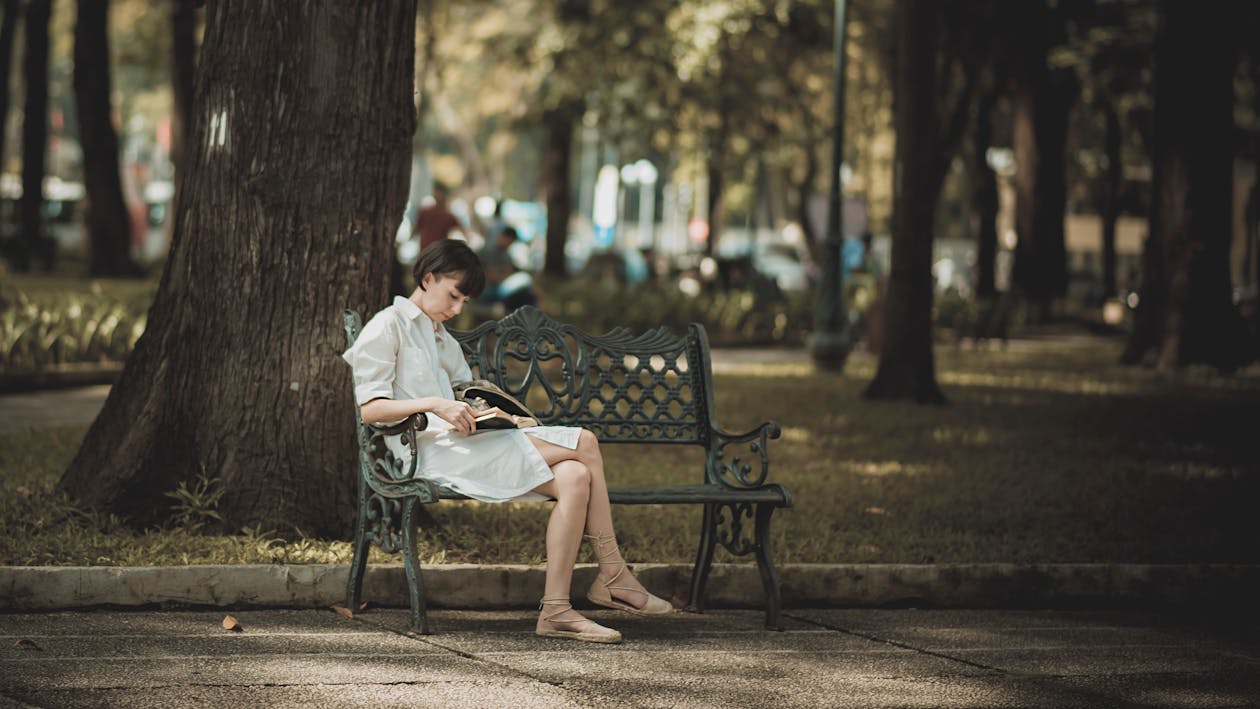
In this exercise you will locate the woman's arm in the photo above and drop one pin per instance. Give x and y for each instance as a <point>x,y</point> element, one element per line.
<point>456,413</point>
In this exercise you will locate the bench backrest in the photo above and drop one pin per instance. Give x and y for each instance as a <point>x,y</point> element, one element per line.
<point>623,386</point>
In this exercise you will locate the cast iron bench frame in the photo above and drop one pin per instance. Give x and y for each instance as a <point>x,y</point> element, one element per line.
<point>654,387</point>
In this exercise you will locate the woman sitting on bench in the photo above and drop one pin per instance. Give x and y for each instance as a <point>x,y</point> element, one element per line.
<point>404,362</point>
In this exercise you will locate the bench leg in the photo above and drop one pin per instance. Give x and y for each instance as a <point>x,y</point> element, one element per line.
<point>354,584</point>
<point>704,558</point>
<point>411,565</point>
<point>765,564</point>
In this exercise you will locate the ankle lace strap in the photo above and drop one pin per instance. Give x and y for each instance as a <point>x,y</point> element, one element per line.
<point>556,601</point>
<point>605,545</point>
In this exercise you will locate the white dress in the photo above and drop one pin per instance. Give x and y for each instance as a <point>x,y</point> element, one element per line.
<point>402,354</point>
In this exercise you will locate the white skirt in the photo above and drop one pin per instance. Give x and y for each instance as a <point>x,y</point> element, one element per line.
<point>494,466</point>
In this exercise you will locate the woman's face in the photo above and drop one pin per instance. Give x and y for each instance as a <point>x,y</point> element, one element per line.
<point>440,298</point>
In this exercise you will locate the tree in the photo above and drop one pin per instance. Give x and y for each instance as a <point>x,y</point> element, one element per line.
<point>106,220</point>
<point>293,192</point>
<point>556,168</point>
<point>1043,97</point>
<point>8,28</point>
<point>1186,314</point>
<point>1109,47</point>
<point>32,241</point>
<point>183,68</point>
<point>906,366</point>
<point>931,114</point>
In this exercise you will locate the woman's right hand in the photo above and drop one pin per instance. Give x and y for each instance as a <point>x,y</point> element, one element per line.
<point>458,414</point>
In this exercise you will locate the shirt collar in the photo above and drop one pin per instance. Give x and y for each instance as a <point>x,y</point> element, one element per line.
<point>413,311</point>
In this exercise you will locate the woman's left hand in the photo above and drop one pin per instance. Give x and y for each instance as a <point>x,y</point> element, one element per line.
<point>458,414</point>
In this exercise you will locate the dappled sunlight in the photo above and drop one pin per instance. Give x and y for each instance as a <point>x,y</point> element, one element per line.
<point>967,436</point>
<point>763,370</point>
<point>795,434</point>
<point>1195,470</point>
<point>883,468</point>
<point>1052,382</point>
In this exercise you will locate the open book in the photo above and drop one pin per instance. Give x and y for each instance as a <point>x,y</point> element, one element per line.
<point>494,418</point>
<point>494,408</point>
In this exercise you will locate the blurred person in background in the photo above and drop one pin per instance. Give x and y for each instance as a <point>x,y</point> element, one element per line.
<point>435,222</point>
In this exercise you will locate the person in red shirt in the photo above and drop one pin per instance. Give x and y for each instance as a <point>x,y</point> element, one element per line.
<point>435,222</point>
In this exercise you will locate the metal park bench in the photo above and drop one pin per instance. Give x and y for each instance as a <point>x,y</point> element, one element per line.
<point>653,387</point>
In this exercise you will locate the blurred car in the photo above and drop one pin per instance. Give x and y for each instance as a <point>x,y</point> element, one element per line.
<point>773,259</point>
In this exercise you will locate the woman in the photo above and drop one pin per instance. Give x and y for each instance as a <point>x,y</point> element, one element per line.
<point>404,362</point>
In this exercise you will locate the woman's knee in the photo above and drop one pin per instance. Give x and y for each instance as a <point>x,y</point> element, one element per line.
<point>588,445</point>
<point>573,479</point>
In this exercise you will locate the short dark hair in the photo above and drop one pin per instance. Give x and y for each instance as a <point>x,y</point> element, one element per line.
<point>452,257</point>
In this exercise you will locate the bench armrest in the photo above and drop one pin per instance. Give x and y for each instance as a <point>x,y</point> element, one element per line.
<point>382,471</point>
<point>738,472</point>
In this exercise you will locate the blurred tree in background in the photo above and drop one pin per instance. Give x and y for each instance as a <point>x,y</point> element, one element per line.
<point>106,222</point>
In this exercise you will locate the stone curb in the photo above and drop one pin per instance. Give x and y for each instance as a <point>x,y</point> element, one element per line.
<point>473,586</point>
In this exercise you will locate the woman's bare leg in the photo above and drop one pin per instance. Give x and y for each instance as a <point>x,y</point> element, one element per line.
<point>598,517</point>
<point>571,489</point>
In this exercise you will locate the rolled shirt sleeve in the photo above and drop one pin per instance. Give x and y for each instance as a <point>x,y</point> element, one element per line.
<point>373,358</point>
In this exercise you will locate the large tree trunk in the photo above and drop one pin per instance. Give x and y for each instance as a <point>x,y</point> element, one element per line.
<point>8,28</point>
<point>1042,102</point>
<point>906,366</point>
<point>556,160</point>
<point>1193,319</point>
<point>183,72</point>
<point>295,183</point>
<point>34,139</point>
<point>716,166</point>
<point>1111,201</point>
<point>984,198</point>
<point>106,219</point>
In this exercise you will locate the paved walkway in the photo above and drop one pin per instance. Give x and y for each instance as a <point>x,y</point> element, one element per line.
<point>51,407</point>
<point>309,658</point>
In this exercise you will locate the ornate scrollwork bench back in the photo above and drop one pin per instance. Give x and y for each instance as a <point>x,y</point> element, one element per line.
<point>653,387</point>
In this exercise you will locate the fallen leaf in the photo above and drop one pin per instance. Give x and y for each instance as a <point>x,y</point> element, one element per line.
<point>363,605</point>
<point>27,644</point>
<point>229,623</point>
<point>343,611</point>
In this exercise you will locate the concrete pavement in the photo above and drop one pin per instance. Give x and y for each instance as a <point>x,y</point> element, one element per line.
<point>833,657</point>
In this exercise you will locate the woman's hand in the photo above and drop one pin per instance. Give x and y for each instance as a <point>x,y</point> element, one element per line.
<point>458,414</point>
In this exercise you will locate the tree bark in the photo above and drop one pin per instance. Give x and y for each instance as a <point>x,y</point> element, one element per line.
<point>32,242</point>
<point>295,184</point>
<point>906,367</point>
<point>984,198</point>
<point>183,73</point>
<point>1111,202</point>
<point>804,189</point>
<point>1042,102</point>
<point>106,219</point>
<point>1192,317</point>
<point>556,160</point>
<point>8,29</point>
<point>717,189</point>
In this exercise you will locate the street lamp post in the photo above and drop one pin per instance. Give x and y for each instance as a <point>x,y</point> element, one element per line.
<point>831,340</point>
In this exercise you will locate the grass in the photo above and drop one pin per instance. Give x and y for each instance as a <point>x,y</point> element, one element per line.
<point>1048,452</point>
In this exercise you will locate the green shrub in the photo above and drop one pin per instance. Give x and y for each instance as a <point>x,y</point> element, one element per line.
<point>51,328</point>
